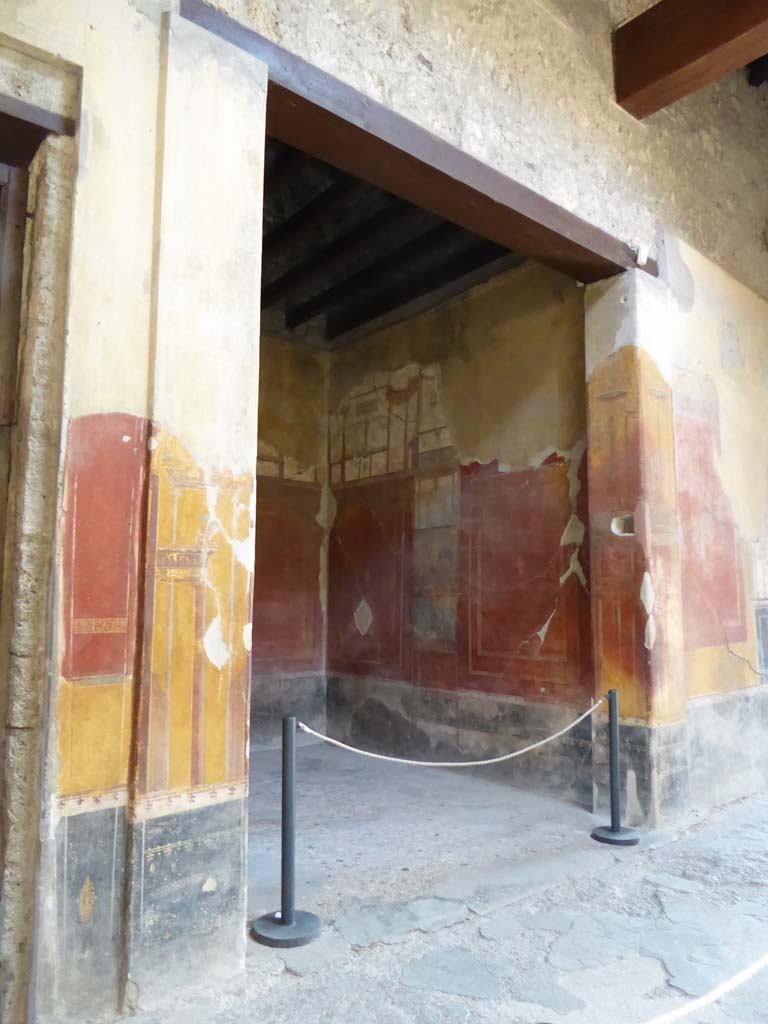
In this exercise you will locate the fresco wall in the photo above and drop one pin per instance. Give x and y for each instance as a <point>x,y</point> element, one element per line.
<point>458,605</point>
<point>140,885</point>
<point>289,592</point>
<point>677,375</point>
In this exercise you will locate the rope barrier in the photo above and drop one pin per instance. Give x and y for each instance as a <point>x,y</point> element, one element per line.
<point>290,927</point>
<point>713,996</point>
<point>453,764</point>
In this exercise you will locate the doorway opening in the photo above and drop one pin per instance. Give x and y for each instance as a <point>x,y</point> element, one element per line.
<point>421,573</point>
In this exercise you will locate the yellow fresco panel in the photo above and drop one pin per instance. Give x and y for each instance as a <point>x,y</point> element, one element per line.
<point>94,737</point>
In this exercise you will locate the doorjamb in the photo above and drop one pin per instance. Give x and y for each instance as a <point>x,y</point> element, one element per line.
<point>28,617</point>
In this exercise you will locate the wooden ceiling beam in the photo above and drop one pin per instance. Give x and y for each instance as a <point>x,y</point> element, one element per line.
<point>405,287</point>
<point>679,46</point>
<point>428,300</point>
<point>354,245</point>
<point>305,221</point>
<point>375,275</point>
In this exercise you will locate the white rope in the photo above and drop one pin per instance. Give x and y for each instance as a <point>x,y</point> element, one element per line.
<point>453,764</point>
<point>714,995</point>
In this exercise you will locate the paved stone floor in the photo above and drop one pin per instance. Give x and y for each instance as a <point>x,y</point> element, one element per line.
<point>449,896</point>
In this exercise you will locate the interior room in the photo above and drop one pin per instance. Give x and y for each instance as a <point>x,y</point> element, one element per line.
<point>421,576</point>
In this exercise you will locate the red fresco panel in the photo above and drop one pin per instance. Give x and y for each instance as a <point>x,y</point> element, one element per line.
<point>713,595</point>
<point>105,469</point>
<point>512,524</point>
<point>369,559</point>
<point>287,619</point>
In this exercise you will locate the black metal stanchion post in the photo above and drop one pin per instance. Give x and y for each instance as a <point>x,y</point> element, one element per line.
<point>287,927</point>
<point>614,834</point>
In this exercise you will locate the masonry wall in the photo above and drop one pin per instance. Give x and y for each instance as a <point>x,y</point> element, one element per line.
<point>719,376</point>
<point>527,87</point>
<point>290,569</point>
<point>458,608</point>
<point>677,374</point>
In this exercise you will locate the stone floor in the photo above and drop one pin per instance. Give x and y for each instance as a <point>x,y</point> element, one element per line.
<point>449,896</point>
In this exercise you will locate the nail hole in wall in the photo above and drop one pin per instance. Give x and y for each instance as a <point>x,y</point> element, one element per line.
<point>623,525</point>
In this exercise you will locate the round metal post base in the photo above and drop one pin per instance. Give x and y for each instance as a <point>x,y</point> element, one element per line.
<point>270,931</point>
<point>624,837</point>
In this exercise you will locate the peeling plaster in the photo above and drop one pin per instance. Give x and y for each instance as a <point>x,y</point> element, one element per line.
<point>242,549</point>
<point>487,343</point>
<point>363,617</point>
<point>542,633</point>
<point>574,569</point>
<point>634,310</point>
<point>573,532</point>
<point>214,645</point>
<point>647,593</point>
<point>649,638</point>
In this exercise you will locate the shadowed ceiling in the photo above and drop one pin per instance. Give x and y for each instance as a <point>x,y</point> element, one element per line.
<point>343,258</point>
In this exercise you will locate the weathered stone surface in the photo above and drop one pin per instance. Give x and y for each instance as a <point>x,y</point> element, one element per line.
<point>540,987</point>
<point>508,883</point>
<point>262,960</point>
<point>325,952</point>
<point>29,545</point>
<point>456,972</point>
<point>667,881</point>
<point>273,697</point>
<point>392,922</point>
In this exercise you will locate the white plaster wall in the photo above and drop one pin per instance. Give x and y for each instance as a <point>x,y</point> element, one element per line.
<point>206,352</point>
<point>113,47</point>
<point>526,86</point>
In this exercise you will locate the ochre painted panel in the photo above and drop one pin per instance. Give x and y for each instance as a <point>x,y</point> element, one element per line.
<point>94,736</point>
<point>192,720</point>
<point>197,635</point>
<point>618,562</point>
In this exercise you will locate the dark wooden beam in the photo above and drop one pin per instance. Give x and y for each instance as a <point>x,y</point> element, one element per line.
<point>679,46</point>
<point>429,300</point>
<point>375,274</point>
<point>308,217</point>
<point>317,113</point>
<point>354,244</point>
<point>404,286</point>
<point>283,165</point>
